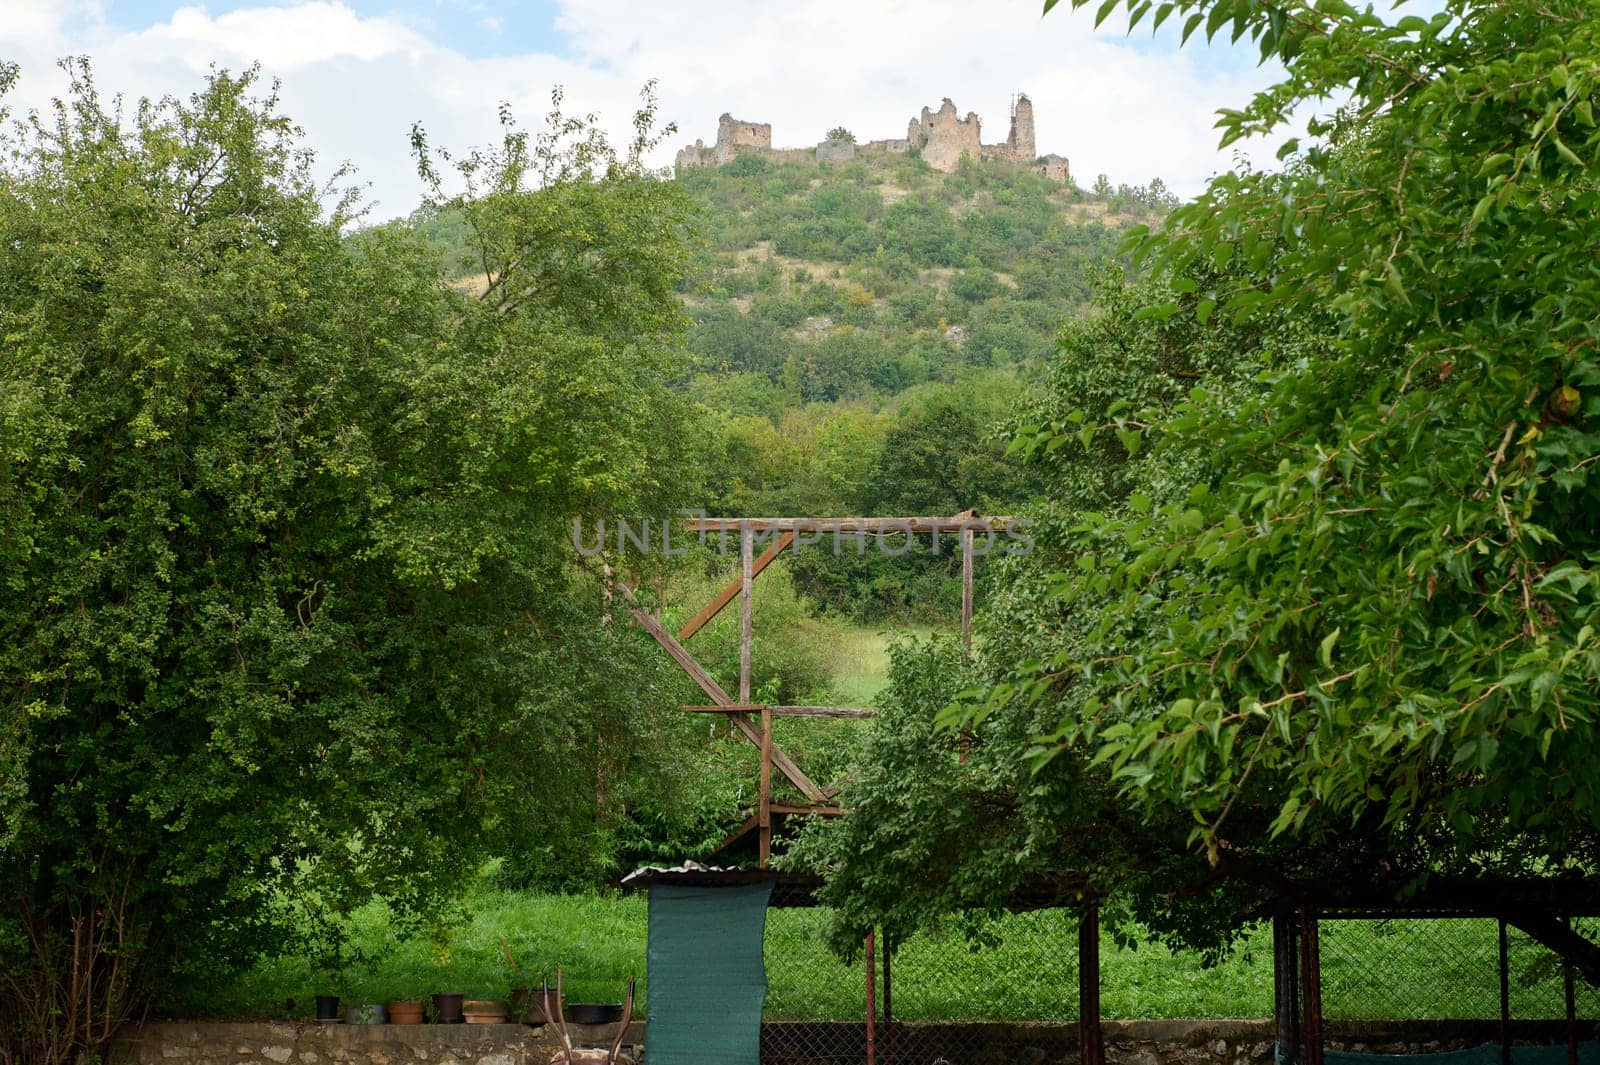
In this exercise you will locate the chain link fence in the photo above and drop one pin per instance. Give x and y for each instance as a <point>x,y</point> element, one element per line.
<point>1443,968</point>
<point>951,992</point>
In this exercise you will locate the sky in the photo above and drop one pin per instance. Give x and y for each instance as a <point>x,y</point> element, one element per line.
<point>356,74</point>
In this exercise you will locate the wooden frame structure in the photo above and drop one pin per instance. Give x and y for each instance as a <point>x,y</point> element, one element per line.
<point>754,721</point>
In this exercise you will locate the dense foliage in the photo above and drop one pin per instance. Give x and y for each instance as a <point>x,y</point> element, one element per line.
<point>290,617</point>
<point>1337,623</point>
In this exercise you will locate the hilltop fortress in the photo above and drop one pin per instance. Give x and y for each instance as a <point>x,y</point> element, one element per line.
<point>941,137</point>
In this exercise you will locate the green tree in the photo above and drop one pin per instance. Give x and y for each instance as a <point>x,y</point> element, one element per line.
<point>1351,637</point>
<point>1382,611</point>
<point>290,614</point>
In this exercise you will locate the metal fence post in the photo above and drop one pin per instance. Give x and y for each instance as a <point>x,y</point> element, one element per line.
<point>1091,1049</point>
<point>872,1005</point>
<point>1311,984</point>
<point>1505,998</point>
<point>1285,988</point>
<point>888,1006</point>
<point>1571,996</point>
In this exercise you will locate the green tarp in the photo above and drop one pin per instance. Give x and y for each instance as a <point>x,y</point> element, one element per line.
<point>707,981</point>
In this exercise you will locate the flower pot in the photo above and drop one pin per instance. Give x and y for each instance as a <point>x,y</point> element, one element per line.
<point>528,1005</point>
<point>368,1014</point>
<point>327,1007</point>
<point>447,1007</point>
<point>593,1012</point>
<point>483,1011</point>
<point>405,1012</point>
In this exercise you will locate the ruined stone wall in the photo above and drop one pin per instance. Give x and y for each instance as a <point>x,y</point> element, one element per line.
<point>696,154</point>
<point>1020,139</point>
<point>1056,168</point>
<point>888,147</point>
<point>944,138</point>
<point>735,135</point>
<point>839,151</point>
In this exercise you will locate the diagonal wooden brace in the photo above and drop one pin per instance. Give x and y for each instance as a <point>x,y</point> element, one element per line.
<point>709,685</point>
<point>724,597</point>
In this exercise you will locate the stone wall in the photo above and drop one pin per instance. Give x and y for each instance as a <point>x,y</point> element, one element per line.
<point>836,151</point>
<point>1020,139</point>
<point>794,1043</point>
<point>734,135</point>
<point>312,1043</point>
<point>944,138</point>
<point>1056,168</point>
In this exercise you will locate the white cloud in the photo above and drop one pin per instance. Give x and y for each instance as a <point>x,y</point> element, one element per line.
<point>356,83</point>
<point>283,38</point>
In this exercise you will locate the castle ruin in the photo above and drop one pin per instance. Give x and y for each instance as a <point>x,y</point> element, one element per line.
<point>941,137</point>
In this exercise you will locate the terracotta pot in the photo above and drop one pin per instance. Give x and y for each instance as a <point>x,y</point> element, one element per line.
<point>483,1011</point>
<point>528,1005</point>
<point>405,1012</point>
<point>447,1007</point>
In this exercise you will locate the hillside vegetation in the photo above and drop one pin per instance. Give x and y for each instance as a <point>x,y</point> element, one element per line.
<point>858,330</point>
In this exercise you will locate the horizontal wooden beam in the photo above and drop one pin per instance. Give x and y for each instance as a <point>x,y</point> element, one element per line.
<point>820,811</point>
<point>734,587</point>
<point>824,711</point>
<point>816,526</point>
<point>785,711</point>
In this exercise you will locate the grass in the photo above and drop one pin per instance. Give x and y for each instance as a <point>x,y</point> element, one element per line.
<point>860,660</point>
<point>597,940</point>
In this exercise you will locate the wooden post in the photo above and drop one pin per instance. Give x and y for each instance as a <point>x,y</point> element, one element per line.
<point>746,575</point>
<point>1285,988</point>
<point>888,1008</point>
<point>966,591</point>
<point>872,1004</point>
<point>765,809</point>
<point>1311,984</point>
<point>1505,998</point>
<point>1091,1049</point>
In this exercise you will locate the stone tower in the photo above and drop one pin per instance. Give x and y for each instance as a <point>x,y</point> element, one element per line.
<point>1020,139</point>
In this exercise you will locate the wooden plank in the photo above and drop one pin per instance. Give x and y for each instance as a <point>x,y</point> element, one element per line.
<point>765,809</point>
<point>916,525</point>
<point>724,597</point>
<point>709,685</point>
<point>825,711</point>
<point>807,811</point>
<point>854,712</point>
<point>966,592</point>
<point>746,564</point>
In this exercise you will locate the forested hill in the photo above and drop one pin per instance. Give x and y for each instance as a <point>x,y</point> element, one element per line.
<point>859,329</point>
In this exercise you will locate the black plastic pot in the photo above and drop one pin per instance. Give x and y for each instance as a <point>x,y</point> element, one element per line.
<point>593,1013</point>
<point>447,1008</point>
<point>327,1007</point>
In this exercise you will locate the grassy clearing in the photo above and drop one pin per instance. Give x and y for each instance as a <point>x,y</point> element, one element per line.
<point>860,660</point>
